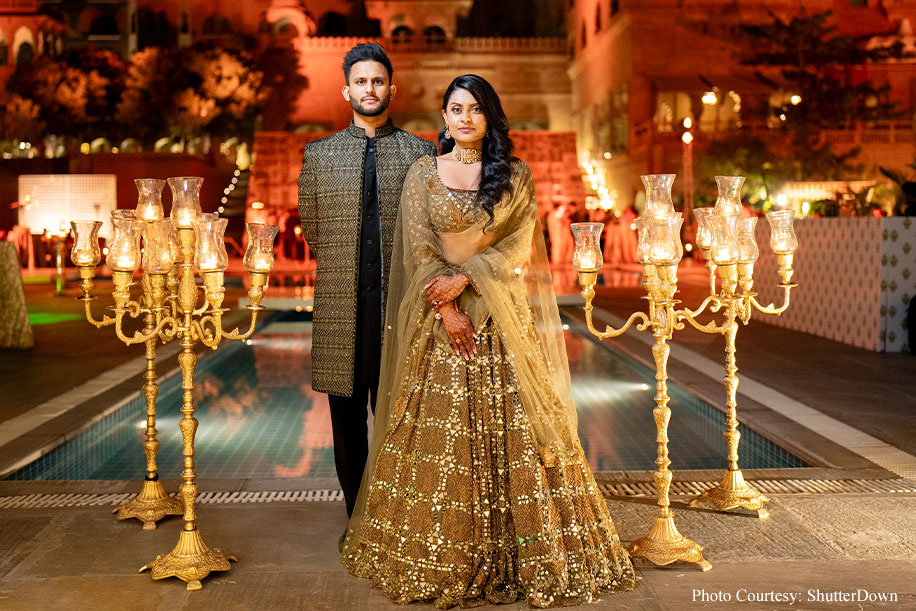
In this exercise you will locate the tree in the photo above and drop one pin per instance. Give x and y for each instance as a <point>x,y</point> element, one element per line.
<point>904,189</point>
<point>764,171</point>
<point>228,89</point>
<point>187,92</point>
<point>281,84</point>
<point>823,74</point>
<point>20,121</point>
<point>76,95</point>
<point>147,97</point>
<point>817,64</point>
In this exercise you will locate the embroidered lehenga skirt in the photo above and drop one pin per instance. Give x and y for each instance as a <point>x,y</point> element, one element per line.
<point>463,511</point>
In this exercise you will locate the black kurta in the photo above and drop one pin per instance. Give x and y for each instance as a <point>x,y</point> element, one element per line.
<point>369,316</point>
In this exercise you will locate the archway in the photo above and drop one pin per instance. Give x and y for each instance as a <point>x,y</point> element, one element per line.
<point>434,35</point>
<point>401,35</point>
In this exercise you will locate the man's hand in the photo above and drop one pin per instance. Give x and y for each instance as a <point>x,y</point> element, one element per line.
<point>458,328</point>
<point>443,289</point>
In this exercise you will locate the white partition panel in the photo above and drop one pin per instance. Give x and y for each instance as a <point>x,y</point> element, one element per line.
<point>49,200</point>
<point>856,278</point>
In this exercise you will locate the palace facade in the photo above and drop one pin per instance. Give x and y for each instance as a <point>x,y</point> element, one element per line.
<point>430,42</point>
<point>641,67</point>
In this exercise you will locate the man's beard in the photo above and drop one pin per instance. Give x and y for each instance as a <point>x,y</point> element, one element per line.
<point>367,112</point>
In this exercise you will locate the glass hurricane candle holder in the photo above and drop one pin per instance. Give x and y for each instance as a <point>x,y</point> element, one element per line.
<point>782,232</point>
<point>729,199</point>
<point>211,255</point>
<point>665,247</point>
<point>149,203</point>
<point>259,257</point>
<point>124,252</point>
<point>587,256</point>
<point>704,237</point>
<point>185,200</point>
<point>658,195</point>
<point>175,244</point>
<point>642,240</point>
<point>86,251</point>
<point>157,251</point>
<point>724,249</point>
<point>747,242</point>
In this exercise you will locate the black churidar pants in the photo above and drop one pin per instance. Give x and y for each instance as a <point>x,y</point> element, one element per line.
<point>349,417</point>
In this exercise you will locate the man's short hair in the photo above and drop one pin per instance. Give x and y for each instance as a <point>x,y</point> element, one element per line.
<point>362,52</point>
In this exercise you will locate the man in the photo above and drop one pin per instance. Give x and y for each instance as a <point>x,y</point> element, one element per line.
<point>349,192</point>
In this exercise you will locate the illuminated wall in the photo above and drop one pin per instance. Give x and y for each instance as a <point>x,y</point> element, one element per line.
<point>50,200</point>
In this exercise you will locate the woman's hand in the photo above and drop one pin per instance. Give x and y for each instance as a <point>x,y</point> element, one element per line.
<point>458,328</point>
<point>443,289</point>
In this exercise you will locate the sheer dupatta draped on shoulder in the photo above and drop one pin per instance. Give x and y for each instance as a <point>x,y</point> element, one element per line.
<point>507,265</point>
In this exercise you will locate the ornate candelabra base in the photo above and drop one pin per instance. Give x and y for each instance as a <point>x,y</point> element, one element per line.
<point>664,545</point>
<point>733,492</point>
<point>190,561</point>
<point>151,505</point>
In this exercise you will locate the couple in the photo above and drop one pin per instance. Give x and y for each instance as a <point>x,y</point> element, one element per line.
<point>476,489</point>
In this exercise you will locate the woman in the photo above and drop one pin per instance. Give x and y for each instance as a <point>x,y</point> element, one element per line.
<point>477,490</point>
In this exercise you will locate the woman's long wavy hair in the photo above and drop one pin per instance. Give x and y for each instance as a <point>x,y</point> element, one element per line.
<point>496,158</point>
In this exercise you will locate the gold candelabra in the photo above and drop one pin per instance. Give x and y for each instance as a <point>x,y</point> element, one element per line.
<point>152,503</point>
<point>733,260</point>
<point>659,250</point>
<point>171,311</point>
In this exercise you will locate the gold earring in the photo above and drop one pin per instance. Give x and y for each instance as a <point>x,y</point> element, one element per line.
<point>448,136</point>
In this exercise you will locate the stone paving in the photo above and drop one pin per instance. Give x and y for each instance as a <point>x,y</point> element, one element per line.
<point>83,558</point>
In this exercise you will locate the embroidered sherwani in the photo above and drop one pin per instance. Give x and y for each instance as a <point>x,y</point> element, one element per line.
<point>330,209</point>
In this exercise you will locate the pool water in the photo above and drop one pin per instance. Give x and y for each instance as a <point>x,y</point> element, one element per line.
<point>260,418</point>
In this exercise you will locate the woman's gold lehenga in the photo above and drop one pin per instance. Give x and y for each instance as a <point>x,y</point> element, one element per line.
<point>461,506</point>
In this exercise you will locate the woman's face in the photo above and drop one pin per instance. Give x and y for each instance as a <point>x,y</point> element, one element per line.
<point>464,119</point>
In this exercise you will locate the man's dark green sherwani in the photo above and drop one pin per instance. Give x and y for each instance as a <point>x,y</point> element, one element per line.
<point>330,207</point>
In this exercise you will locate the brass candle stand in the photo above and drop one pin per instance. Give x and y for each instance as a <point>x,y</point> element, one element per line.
<point>663,544</point>
<point>733,491</point>
<point>730,253</point>
<point>170,309</point>
<point>152,503</point>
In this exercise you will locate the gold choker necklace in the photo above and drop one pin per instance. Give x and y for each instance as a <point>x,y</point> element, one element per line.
<point>467,155</point>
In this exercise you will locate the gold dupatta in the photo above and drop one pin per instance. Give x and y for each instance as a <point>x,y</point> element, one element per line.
<point>510,282</point>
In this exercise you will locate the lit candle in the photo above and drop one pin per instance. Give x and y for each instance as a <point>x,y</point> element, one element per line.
<point>149,213</point>
<point>185,217</point>
<point>208,260</point>
<point>85,252</point>
<point>84,257</point>
<point>259,257</point>
<point>704,237</point>
<point>664,240</point>
<point>722,253</point>
<point>782,237</point>
<point>587,255</point>
<point>126,261</point>
<point>261,262</point>
<point>662,252</point>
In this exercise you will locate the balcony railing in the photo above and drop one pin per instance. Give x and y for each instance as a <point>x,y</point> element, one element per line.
<point>455,45</point>
<point>878,133</point>
<point>18,6</point>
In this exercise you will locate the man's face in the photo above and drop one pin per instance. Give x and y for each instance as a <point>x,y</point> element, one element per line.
<point>369,90</point>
